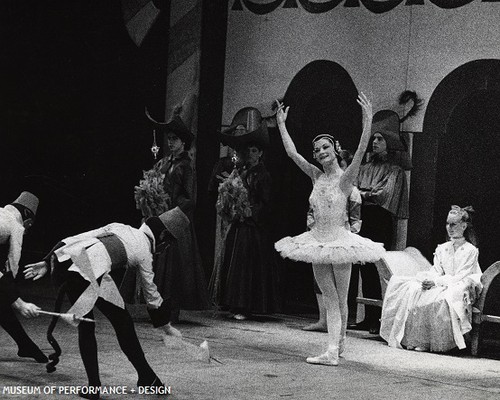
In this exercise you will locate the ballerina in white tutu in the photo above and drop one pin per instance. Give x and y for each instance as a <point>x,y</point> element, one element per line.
<point>329,245</point>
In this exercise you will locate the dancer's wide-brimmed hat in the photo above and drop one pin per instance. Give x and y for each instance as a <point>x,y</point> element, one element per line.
<point>181,120</point>
<point>175,221</point>
<point>256,130</point>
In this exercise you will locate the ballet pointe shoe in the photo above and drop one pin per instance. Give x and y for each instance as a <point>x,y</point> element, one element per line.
<point>330,358</point>
<point>316,327</point>
<point>417,348</point>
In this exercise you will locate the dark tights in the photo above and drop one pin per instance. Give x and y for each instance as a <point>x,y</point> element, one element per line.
<point>377,226</point>
<point>9,322</point>
<point>125,332</point>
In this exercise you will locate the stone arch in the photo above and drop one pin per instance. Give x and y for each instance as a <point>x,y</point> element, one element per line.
<point>456,158</point>
<point>322,98</point>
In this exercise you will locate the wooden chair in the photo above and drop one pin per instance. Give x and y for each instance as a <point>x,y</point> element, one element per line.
<point>478,316</point>
<point>400,263</point>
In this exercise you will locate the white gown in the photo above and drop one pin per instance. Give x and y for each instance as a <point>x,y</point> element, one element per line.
<point>434,319</point>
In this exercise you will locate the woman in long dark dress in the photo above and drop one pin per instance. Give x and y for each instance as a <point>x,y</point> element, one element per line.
<point>179,273</point>
<point>248,276</point>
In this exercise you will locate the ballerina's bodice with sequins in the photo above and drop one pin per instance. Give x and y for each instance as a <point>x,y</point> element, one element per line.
<point>329,205</point>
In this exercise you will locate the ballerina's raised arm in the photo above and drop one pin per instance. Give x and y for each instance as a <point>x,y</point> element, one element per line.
<point>351,173</point>
<point>291,150</point>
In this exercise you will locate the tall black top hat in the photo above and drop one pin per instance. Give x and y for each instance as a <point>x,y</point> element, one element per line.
<point>256,130</point>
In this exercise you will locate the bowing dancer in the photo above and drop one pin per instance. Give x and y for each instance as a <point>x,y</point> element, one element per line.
<point>15,220</point>
<point>330,246</point>
<point>82,265</point>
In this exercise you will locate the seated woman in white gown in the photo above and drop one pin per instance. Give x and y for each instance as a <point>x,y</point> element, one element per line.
<point>432,311</point>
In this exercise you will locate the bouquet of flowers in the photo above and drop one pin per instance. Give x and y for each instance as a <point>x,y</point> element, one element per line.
<point>233,203</point>
<point>150,196</point>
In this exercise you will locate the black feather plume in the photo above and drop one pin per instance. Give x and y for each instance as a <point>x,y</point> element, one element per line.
<point>410,95</point>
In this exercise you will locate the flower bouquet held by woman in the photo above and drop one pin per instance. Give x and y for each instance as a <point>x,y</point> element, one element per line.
<point>233,203</point>
<point>150,196</point>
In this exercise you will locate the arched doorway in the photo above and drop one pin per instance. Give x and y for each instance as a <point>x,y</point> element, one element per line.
<point>468,169</point>
<point>322,98</point>
<point>456,158</point>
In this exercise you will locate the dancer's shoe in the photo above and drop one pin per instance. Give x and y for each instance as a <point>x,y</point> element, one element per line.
<point>360,326</point>
<point>169,330</point>
<point>34,353</point>
<point>156,383</point>
<point>156,386</point>
<point>330,358</point>
<point>316,327</point>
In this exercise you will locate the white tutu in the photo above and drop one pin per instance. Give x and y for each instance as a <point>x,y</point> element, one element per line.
<point>329,241</point>
<point>346,248</point>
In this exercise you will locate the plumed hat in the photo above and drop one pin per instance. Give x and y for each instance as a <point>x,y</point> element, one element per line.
<point>175,221</point>
<point>181,120</point>
<point>177,126</point>
<point>256,127</point>
<point>28,200</point>
<point>386,122</point>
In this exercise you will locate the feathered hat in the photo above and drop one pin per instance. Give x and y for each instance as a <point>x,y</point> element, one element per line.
<point>256,130</point>
<point>181,120</point>
<point>387,122</point>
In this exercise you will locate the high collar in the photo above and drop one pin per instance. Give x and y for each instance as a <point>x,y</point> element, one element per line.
<point>458,242</point>
<point>380,157</point>
<point>255,167</point>
<point>180,156</point>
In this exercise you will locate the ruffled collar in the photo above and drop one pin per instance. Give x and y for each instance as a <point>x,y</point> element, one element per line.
<point>458,242</point>
<point>380,157</point>
<point>183,155</point>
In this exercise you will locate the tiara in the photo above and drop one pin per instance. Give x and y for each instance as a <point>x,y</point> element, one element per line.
<point>324,136</point>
